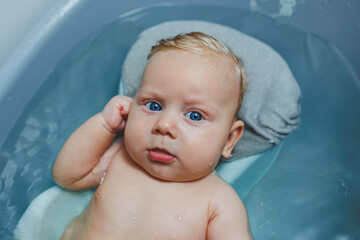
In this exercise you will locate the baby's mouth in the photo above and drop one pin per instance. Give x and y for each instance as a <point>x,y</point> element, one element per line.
<point>160,155</point>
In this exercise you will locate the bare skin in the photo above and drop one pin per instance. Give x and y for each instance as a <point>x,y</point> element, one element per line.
<point>160,181</point>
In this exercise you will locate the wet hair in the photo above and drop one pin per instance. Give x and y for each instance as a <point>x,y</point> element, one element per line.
<point>204,45</point>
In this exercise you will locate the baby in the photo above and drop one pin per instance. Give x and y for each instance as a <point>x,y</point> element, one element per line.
<point>158,181</point>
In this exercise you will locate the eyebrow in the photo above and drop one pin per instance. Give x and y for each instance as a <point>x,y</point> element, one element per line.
<point>149,92</point>
<point>209,110</point>
<point>197,101</point>
<point>202,104</point>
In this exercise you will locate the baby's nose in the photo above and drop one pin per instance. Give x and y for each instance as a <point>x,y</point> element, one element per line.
<point>166,125</point>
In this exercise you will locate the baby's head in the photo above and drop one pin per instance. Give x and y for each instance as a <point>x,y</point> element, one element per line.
<point>184,115</point>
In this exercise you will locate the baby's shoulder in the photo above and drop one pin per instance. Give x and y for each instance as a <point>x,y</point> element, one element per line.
<point>223,195</point>
<point>222,189</point>
<point>218,190</point>
<point>227,211</point>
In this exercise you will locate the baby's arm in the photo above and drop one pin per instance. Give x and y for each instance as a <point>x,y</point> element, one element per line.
<point>85,156</point>
<point>229,219</point>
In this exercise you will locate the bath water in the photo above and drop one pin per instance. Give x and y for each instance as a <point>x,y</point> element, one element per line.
<point>310,192</point>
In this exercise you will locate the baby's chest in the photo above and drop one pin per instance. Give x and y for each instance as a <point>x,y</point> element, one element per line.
<point>159,212</point>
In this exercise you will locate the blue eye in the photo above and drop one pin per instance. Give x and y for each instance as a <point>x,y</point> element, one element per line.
<point>195,116</point>
<point>153,106</point>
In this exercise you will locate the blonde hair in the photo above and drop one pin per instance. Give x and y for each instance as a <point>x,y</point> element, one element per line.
<point>202,44</point>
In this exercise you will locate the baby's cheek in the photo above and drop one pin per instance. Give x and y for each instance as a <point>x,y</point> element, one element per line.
<point>130,135</point>
<point>132,122</point>
<point>205,156</point>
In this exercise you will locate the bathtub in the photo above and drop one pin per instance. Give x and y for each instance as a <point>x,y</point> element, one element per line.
<point>54,80</point>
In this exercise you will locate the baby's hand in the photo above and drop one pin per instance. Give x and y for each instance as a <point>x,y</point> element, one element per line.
<point>116,111</point>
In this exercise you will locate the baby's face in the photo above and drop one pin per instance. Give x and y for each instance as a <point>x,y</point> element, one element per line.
<point>181,118</point>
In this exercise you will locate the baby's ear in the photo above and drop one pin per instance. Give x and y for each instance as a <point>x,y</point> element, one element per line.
<point>235,134</point>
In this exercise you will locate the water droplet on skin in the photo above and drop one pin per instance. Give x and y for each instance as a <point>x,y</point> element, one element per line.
<point>179,217</point>
<point>102,179</point>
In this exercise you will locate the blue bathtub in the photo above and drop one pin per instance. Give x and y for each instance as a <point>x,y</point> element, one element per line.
<point>69,65</point>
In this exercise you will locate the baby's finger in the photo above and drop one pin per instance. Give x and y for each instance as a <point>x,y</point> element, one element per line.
<point>125,106</point>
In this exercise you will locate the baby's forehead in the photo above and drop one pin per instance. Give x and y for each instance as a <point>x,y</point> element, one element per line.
<point>222,61</point>
<point>226,66</point>
<point>220,64</point>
